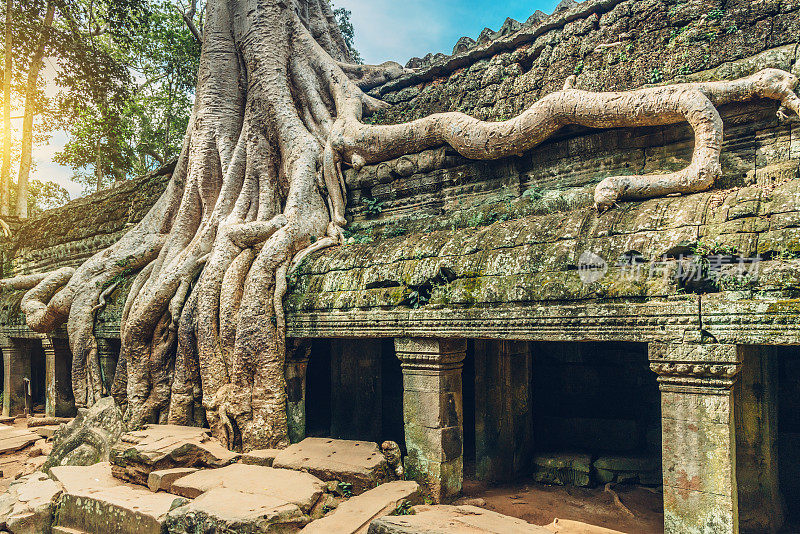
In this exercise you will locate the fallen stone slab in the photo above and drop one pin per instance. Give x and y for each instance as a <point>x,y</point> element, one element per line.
<point>301,489</point>
<point>563,469</point>
<point>162,480</point>
<point>160,447</point>
<point>95,501</point>
<point>14,439</point>
<point>230,510</point>
<point>46,432</point>
<point>29,504</point>
<point>453,520</point>
<point>354,515</point>
<point>565,526</point>
<point>358,463</point>
<point>263,457</point>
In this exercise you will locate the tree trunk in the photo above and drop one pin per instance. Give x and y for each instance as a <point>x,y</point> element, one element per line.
<point>259,186</point>
<point>5,169</point>
<point>30,110</point>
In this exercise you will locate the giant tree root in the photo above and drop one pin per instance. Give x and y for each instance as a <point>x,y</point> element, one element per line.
<point>259,186</point>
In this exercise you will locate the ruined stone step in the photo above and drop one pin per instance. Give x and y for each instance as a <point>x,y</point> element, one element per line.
<point>355,515</point>
<point>358,463</point>
<point>94,501</point>
<point>301,489</point>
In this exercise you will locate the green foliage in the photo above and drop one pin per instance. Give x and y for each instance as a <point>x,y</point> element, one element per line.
<point>712,248</point>
<point>345,489</point>
<point>578,68</point>
<point>733,28</point>
<point>716,14</point>
<point>348,32</point>
<point>133,121</point>
<point>736,282</point>
<point>372,206</point>
<point>656,76</point>
<point>403,508</point>
<point>45,195</point>
<point>395,230</point>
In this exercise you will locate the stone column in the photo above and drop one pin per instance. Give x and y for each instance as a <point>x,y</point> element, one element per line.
<point>433,413</point>
<point>16,368</point>
<point>503,416</point>
<point>698,436</point>
<point>107,355</point>
<point>58,378</point>
<point>295,373</point>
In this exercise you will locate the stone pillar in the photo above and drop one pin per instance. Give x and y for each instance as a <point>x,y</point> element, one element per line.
<point>433,413</point>
<point>107,355</point>
<point>16,368</point>
<point>295,373</point>
<point>756,414</point>
<point>58,378</point>
<point>503,415</point>
<point>356,397</point>
<point>698,436</point>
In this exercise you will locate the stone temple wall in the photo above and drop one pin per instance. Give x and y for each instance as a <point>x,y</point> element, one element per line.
<point>441,250</point>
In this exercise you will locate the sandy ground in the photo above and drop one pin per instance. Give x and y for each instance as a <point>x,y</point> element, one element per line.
<point>540,505</point>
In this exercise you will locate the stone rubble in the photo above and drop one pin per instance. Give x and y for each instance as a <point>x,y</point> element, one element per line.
<point>358,463</point>
<point>160,447</point>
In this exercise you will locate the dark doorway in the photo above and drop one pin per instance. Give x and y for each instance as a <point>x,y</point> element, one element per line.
<point>38,377</point>
<point>354,390</point>
<point>789,432</point>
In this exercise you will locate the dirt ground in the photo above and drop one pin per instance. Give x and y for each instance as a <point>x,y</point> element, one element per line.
<point>540,505</point>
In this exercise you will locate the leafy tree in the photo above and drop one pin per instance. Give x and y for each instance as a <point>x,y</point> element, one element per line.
<point>348,32</point>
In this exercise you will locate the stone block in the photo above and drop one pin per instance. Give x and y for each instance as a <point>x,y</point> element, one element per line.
<point>360,463</point>
<point>453,520</point>
<point>355,515</point>
<point>301,489</point>
<point>94,501</point>
<point>262,457</point>
<point>28,505</point>
<point>162,480</point>
<point>563,469</point>
<point>160,447</point>
<point>628,469</point>
<point>230,510</point>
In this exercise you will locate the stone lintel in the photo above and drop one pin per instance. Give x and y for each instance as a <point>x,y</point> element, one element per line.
<point>710,369</point>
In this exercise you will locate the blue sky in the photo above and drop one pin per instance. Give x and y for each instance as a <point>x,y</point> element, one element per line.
<point>385,30</point>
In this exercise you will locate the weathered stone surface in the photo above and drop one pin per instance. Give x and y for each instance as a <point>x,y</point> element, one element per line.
<point>301,489</point>
<point>162,480</point>
<point>13,439</point>
<point>94,501</point>
<point>28,505</point>
<point>89,437</point>
<point>566,526</point>
<point>230,510</point>
<point>160,447</point>
<point>359,463</point>
<point>355,515</point>
<point>563,469</point>
<point>453,520</point>
<point>262,457</point>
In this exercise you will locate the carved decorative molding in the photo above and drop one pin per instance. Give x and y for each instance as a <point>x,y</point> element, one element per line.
<point>430,354</point>
<point>709,366</point>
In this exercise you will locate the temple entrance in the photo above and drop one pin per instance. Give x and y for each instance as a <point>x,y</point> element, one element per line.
<point>354,390</point>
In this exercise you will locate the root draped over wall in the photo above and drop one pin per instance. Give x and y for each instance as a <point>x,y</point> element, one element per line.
<point>259,186</point>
